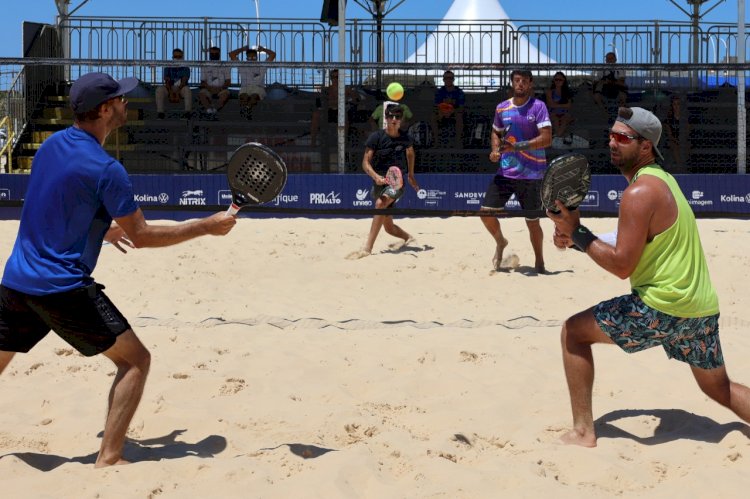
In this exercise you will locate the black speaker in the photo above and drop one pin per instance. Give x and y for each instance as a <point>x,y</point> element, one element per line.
<point>330,12</point>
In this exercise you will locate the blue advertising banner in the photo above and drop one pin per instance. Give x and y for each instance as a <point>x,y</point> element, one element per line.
<point>706,193</point>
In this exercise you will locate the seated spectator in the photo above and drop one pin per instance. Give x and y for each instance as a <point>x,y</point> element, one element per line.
<point>252,78</point>
<point>559,99</point>
<point>328,105</point>
<point>677,130</point>
<point>175,87</point>
<point>448,115</point>
<point>215,82</point>
<point>376,118</point>
<point>611,85</point>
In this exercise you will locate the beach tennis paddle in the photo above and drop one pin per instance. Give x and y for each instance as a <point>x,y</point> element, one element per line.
<point>256,175</point>
<point>567,179</point>
<point>504,134</point>
<point>394,178</point>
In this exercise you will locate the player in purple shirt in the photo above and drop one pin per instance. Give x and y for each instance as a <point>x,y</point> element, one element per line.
<point>521,130</point>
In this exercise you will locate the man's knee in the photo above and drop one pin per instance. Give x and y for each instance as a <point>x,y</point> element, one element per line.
<point>582,328</point>
<point>714,383</point>
<point>129,352</point>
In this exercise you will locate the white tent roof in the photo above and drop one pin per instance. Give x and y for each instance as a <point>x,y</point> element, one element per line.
<point>454,43</point>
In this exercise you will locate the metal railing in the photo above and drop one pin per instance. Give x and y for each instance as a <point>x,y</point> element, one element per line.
<point>658,56</point>
<point>445,42</point>
<point>6,145</point>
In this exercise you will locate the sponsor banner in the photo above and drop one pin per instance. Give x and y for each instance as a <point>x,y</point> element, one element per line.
<point>711,193</point>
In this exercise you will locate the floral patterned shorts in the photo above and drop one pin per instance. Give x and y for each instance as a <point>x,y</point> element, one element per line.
<point>635,326</point>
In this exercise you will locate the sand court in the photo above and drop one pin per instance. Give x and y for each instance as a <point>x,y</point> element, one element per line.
<point>281,368</point>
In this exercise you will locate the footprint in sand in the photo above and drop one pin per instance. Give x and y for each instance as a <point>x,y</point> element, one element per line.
<point>232,386</point>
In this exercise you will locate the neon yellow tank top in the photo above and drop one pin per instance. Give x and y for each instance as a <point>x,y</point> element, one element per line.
<point>672,275</point>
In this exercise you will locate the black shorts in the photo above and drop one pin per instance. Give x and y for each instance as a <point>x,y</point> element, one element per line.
<point>528,193</point>
<point>83,317</point>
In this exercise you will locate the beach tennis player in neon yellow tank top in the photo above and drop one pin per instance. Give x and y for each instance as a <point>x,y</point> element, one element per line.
<point>673,303</point>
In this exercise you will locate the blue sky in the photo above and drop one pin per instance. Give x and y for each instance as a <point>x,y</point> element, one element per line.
<point>14,12</point>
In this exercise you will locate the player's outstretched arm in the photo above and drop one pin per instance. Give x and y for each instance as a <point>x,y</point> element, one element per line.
<point>144,235</point>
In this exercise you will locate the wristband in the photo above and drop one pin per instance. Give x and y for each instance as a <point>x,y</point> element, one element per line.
<point>522,146</point>
<point>582,237</point>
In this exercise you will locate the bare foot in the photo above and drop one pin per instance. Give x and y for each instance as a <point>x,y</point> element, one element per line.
<point>400,244</point>
<point>574,437</point>
<point>356,255</point>
<point>102,464</point>
<point>539,267</point>
<point>497,260</point>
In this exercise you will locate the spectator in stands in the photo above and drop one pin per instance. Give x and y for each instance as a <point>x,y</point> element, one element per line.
<point>559,100</point>
<point>448,115</point>
<point>215,83</point>
<point>521,131</point>
<point>386,148</point>
<point>175,87</point>
<point>611,85</point>
<point>252,77</point>
<point>376,118</point>
<point>677,128</point>
<point>328,104</point>
<point>79,196</point>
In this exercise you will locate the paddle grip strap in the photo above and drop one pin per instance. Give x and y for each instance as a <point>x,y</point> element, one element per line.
<point>522,146</point>
<point>582,237</point>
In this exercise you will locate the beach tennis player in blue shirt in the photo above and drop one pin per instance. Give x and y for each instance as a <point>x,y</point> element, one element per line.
<point>75,192</point>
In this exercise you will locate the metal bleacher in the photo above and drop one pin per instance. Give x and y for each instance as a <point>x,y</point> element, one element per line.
<point>38,94</point>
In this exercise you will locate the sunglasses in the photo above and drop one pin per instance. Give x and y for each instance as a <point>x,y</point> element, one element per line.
<point>559,79</point>
<point>623,138</point>
<point>177,56</point>
<point>394,116</point>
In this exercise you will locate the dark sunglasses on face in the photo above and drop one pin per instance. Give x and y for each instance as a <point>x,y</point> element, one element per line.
<point>393,116</point>
<point>622,138</point>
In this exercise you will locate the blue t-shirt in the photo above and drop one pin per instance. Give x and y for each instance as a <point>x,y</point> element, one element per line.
<point>525,122</point>
<point>455,97</point>
<point>75,190</point>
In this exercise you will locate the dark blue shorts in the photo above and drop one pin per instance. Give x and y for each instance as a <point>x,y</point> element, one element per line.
<point>635,326</point>
<point>84,317</point>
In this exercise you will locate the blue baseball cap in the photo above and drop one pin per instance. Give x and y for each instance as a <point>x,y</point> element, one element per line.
<point>92,89</point>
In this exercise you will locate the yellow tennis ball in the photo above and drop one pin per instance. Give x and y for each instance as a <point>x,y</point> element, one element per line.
<point>394,91</point>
